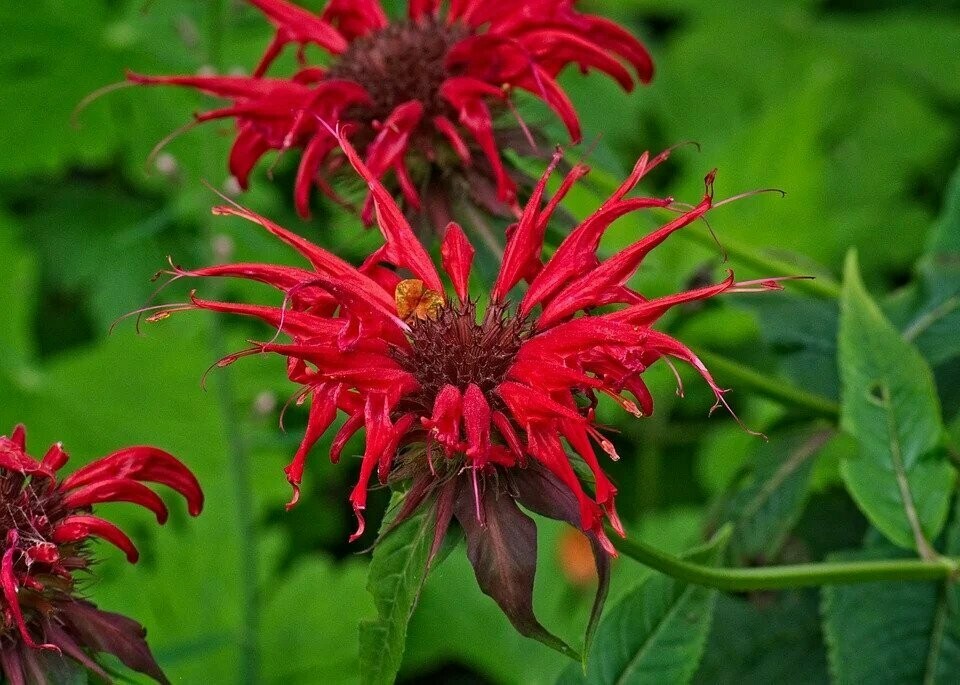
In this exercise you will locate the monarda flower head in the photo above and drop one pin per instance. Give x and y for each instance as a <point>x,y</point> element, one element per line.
<point>45,524</point>
<point>423,92</point>
<point>482,408</point>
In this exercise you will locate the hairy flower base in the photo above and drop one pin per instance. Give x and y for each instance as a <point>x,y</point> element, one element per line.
<point>44,525</point>
<point>481,413</point>
<point>422,93</point>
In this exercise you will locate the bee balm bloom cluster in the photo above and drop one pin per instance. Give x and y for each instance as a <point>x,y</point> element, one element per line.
<point>474,404</point>
<point>45,525</point>
<point>422,92</point>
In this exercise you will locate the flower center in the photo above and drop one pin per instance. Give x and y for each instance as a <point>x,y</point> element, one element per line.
<point>404,61</point>
<point>453,348</point>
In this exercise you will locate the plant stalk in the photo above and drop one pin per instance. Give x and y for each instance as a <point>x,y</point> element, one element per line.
<point>789,577</point>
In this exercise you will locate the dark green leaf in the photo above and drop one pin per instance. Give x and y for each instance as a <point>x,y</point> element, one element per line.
<point>771,496</point>
<point>765,638</point>
<point>894,632</point>
<point>901,479</point>
<point>397,573</point>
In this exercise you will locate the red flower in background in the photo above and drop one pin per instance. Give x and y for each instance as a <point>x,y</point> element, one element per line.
<point>475,407</point>
<point>423,92</point>
<point>45,525</point>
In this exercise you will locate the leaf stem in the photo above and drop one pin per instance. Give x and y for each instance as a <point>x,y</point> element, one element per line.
<point>789,577</point>
<point>822,286</point>
<point>772,388</point>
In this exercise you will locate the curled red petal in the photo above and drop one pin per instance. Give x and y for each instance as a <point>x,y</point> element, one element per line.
<point>142,463</point>
<point>79,527</point>
<point>117,490</point>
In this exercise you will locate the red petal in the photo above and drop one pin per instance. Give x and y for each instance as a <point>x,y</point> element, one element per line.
<point>600,286</point>
<point>19,437</point>
<point>403,249</point>
<point>79,527</point>
<point>578,252</point>
<point>355,18</point>
<point>526,243</point>
<point>317,150</point>
<point>457,253</point>
<point>450,132</point>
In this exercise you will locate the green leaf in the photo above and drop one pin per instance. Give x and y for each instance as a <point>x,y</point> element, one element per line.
<point>765,638</point>
<point>298,641</point>
<point>656,633</point>
<point>771,495</point>
<point>397,573</point>
<point>901,479</point>
<point>883,633</point>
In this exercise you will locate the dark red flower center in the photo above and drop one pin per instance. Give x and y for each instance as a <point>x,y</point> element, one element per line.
<point>454,348</point>
<point>404,61</point>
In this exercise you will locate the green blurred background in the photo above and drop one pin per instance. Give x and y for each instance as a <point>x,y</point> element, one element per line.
<point>852,107</point>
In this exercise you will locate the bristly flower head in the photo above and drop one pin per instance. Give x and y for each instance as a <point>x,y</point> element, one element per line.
<point>423,92</point>
<point>479,409</point>
<point>44,527</point>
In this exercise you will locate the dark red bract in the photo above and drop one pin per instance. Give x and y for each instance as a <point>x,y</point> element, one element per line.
<point>44,526</point>
<point>423,93</point>
<point>478,408</point>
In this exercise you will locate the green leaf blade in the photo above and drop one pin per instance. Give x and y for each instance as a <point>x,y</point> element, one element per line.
<point>901,479</point>
<point>397,573</point>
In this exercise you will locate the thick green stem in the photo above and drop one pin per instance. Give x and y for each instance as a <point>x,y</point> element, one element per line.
<point>787,577</point>
<point>240,469</point>
<point>731,373</point>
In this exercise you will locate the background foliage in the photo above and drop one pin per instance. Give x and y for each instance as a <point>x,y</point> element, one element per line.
<point>851,107</point>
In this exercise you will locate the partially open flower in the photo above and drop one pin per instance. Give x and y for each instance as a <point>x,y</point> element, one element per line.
<point>481,409</point>
<point>423,92</point>
<point>45,525</point>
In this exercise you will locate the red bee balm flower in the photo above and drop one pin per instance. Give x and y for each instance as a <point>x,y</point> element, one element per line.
<point>420,91</point>
<point>476,407</point>
<point>44,526</point>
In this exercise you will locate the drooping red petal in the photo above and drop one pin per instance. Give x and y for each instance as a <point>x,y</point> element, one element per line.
<point>450,132</point>
<point>317,150</point>
<point>444,425</point>
<point>476,422</point>
<point>79,527</point>
<point>376,417</point>
<point>8,579</point>
<point>323,411</point>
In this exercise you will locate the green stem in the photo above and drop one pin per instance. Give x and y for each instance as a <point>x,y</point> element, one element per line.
<point>823,287</point>
<point>788,577</point>
<point>240,468</point>
<point>743,377</point>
